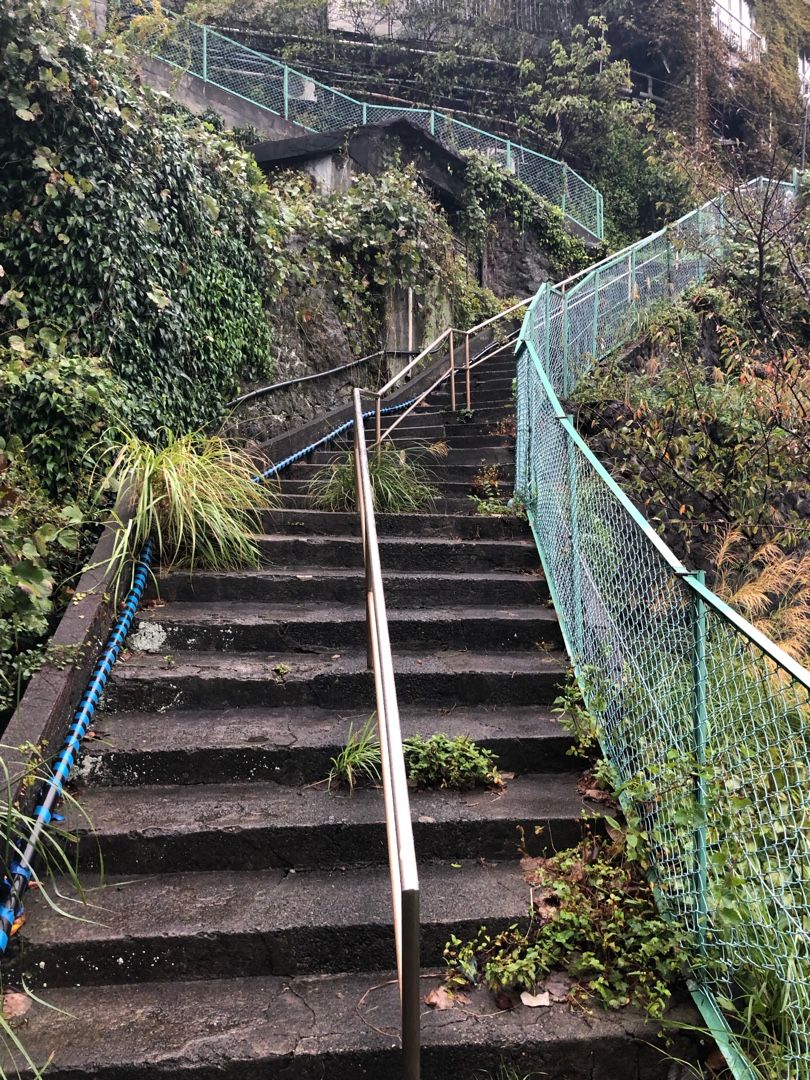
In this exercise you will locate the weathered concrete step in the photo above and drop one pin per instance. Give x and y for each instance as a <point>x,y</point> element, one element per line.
<point>296,746</point>
<point>483,442</point>
<point>461,506</point>
<point>263,825</point>
<point>452,490</point>
<point>331,680</point>
<point>263,922</point>
<point>438,472</point>
<point>435,461</point>
<point>400,553</point>
<point>402,588</point>
<point>245,626</point>
<point>316,1027</point>
<point>465,526</point>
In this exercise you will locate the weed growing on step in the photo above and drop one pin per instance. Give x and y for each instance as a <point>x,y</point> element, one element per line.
<point>506,427</point>
<point>359,762</point>
<point>442,762</point>
<point>487,482</point>
<point>194,495</point>
<point>507,1072</point>
<point>593,917</point>
<point>399,485</point>
<point>499,507</point>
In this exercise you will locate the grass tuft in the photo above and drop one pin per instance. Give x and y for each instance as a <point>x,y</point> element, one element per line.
<point>399,486</point>
<point>359,761</point>
<point>195,496</point>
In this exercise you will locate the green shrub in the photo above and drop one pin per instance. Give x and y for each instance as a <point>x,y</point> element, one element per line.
<point>359,761</point>
<point>195,495</point>
<point>442,762</point>
<point>399,486</point>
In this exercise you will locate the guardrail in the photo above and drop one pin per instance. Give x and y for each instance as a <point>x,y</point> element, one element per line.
<point>270,84</point>
<point>399,830</point>
<point>451,335</point>
<point>706,721</point>
<point>741,36</point>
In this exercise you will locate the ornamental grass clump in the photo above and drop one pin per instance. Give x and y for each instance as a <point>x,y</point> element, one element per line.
<point>399,485</point>
<point>195,496</point>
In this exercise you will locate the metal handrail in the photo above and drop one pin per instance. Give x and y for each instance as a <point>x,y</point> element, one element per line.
<point>264,390</point>
<point>451,333</point>
<point>398,826</point>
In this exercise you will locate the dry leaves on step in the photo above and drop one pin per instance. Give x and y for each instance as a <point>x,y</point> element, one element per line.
<point>15,1005</point>
<point>558,985</point>
<point>535,1001</point>
<point>19,922</point>
<point>440,999</point>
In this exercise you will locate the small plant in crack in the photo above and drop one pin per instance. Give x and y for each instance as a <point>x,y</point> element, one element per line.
<point>464,416</point>
<point>442,762</point>
<point>506,427</point>
<point>359,761</point>
<point>499,507</point>
<point>280,670</point>
<point>487,482</point>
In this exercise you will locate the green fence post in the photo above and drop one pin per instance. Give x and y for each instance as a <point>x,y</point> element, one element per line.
<point>700,721</point>
<point>509,154</point>
<point>547,335</point>
<point>365,113</point>
<point>432,122</point>
<point>286,93</point>
<point>576,561</point>
<point>205,54</point>
<point>566,375</point>
<point>595,352</point>
<point>565,187</point>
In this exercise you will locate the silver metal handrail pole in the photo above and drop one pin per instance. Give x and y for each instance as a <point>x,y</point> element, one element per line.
<point>399,829</point>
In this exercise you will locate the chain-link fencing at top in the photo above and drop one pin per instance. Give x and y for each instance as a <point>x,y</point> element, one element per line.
<point>273,85</point>
<point>705,721</point>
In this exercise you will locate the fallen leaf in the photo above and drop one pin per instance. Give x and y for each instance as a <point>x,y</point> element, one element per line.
<point>304,577</point>
<point>15,1005</point>
<point>423,819</point>
<point>507,776</point>
<point>19,923</point>
<point>597,795</point>
<point>536,1001</point>
<point>546,903</point>
<point>440,998</point>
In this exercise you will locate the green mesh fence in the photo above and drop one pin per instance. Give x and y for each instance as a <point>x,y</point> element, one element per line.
<point>272,85</point>
<point>706,722</point>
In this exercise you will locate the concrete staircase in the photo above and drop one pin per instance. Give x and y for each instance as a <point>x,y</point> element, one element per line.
<point>241,928</point>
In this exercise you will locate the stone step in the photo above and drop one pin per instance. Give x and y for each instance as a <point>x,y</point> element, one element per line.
<point>455,455</point>
<point>454,490</point>
<point>464,527</point>
<point>246,626</point>
<point>438,472</point>
<point>263,825</point>
<point>331,680</point>
<point>312,1027</point>
<point>263,922</point>
<point>398,553</point>
<point>296,746</point>
<point>402,588</point>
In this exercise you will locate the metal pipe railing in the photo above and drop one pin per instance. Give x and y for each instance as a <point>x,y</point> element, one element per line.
<point>450,334</point>
<point>399,830</point>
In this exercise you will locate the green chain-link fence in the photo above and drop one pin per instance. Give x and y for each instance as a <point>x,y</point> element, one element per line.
<point>270,84</point>
<point>706,722</point>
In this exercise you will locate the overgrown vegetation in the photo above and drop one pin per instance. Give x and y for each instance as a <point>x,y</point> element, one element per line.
<point>439,761</point>
<point>594,919</point>
<point>705,421</point>
<point>436,761</point>
<point>195,495</point>
<point>399,485</point>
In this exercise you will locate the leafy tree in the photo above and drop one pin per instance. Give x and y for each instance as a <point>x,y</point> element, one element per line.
<point>581,107</point>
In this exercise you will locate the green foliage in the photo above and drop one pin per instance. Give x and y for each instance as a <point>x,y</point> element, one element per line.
<point>134,232</point>
<point>497,506</point>
<point>194,494</point>
<point>399,485</point>
<point>579,103</point>
<point>441,762</point>
<point>360,761</point>
<point>595,920</point>
<point>492,193</point>
<point>38,545</point>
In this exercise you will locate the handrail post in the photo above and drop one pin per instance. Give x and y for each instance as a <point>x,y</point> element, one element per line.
<point>361,509</point>
<point>452,373</point>
<point>467,369</point>
<point>411,997</point>
<point>378,424</point>
<point>286,92</point>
